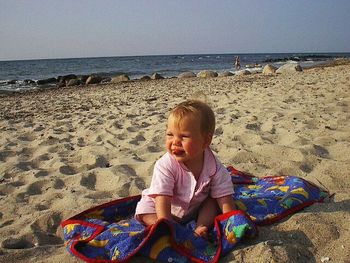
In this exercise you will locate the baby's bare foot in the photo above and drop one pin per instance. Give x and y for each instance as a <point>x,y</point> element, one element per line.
<point>201,231</point>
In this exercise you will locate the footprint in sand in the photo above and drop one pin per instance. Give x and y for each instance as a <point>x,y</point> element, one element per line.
<point>121,136</point>
<point>123,191</point>
<point>100,162</point>
<point>136,186</point>
<point>44,157</point>
<point>117,125</point>
<point>58,184</point>
<point>321,151</point>
<point>6,189</point>
<point>132,129</point>
<point>253,126</point>
<point>81,142</point>
<point>25,153</point>
<point>22,198</point>
<point>50,141</point>
<point>35,188</point>
<point>45,228</point>
<point>26,166</point>
<point>17,243</point>
<point>39,128</point>
<point>306,168</point>
<point>88,181</point>
<point>26,138</point>
<point>7,223</point>
<point>58,130</point>
<point>139,138</point>
<point>6,154</point>
<point>67,170</point>
<point>41,173</point>
<point>144,125</point>
<point>125,169</point>
<point>18,183</point>
<point>154,148</point>
<point>11,144</point>
<point>42,207</point>
<point>218,131</point>
<point>28,125</point>
<point>137,158</point>
<point>99,195</point>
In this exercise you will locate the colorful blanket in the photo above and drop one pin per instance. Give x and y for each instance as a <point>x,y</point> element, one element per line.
<point>109,233</point>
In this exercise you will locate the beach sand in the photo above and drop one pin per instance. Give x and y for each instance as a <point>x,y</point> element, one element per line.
<point>65,150</point>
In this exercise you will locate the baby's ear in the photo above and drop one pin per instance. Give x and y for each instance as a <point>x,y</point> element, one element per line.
<point>208,139</point>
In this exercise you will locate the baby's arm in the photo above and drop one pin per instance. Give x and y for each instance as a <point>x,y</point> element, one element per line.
<point>163,207</point>
<point>226,203</point>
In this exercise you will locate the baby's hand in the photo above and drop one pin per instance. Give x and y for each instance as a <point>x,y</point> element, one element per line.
<point>201,231</point>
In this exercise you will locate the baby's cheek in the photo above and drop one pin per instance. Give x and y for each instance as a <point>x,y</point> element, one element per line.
<point>167,144</point>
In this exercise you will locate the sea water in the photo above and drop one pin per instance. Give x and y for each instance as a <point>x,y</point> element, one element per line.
<point>16,72</point>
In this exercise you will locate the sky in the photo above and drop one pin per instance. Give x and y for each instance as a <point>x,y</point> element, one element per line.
<point>32,29</point>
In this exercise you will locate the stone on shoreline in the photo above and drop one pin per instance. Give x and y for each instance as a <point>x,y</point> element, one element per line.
<point>207,74</point>
<point>73,82</point>
<point>120,78</point>
<point>188,74</point>
<point>226,74</point>
<point>28,81</point>
<point>242,72</point>
<point>145,77</point>
<point>156,76</point>
<point>46,81</point>
<point>93,79</point>
<point>269,69</point>
<point>83,78</point>
<point>66,78</point>
<point>289,68</point>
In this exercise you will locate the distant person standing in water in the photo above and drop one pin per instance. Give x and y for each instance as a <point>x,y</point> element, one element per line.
<point>238,63</point>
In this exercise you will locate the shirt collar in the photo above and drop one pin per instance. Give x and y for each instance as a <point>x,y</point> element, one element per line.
<point>209,166</point>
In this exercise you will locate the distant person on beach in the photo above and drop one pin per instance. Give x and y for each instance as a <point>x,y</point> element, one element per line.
<point>188,182</point>
<point>238,63</point>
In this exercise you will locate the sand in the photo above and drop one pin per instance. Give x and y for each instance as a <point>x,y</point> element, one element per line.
<point>65,150</point>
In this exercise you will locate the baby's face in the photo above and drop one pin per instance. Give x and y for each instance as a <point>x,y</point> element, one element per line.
<point>184,139</point>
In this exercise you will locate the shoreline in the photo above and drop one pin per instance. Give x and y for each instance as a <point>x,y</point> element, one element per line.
<point>67,149</point>
<point>14,85</point>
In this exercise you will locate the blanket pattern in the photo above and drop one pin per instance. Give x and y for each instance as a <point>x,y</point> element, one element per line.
<point>109,233</point>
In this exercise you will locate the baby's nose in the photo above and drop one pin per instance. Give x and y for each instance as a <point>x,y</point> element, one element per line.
<point>177,140</point>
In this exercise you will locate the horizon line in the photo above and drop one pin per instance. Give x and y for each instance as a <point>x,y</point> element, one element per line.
<point>186,54</point>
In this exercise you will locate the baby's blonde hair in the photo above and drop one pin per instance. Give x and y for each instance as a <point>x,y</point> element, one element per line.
<point>197,108</point>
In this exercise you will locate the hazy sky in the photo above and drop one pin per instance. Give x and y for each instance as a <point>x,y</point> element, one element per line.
<point>90,28</point>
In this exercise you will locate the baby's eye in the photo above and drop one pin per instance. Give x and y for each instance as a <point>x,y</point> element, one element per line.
<point>169,134</point>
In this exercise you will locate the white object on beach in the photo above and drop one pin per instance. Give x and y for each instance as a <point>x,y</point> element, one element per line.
<point>325,259</point>
<point>289,68</point>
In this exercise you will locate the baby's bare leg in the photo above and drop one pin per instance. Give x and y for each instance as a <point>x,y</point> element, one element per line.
<point>147,219</point>
<point>206,215</point>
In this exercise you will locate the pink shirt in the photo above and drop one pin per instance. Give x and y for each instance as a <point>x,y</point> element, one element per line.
<point>172,178</point>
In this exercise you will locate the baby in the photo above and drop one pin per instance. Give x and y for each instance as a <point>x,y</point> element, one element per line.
<point>188,181</point>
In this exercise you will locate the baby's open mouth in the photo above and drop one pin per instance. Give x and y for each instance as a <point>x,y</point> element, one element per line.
<point>178,152</point>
